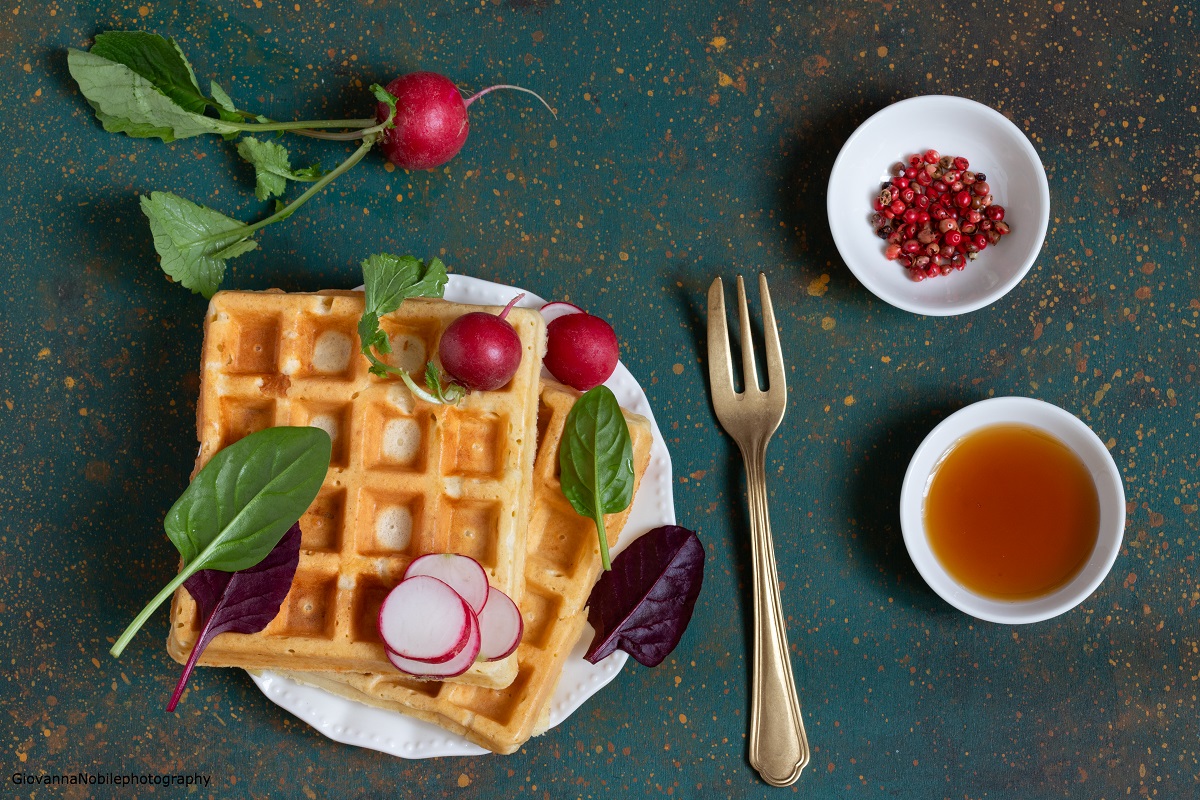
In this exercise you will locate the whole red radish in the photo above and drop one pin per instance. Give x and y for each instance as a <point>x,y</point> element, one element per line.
<point>481,350</point>
<point>431,124</point>
<point>581,350</point>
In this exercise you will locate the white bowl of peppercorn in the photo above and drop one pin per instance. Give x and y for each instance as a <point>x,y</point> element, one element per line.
<point>939,205</point>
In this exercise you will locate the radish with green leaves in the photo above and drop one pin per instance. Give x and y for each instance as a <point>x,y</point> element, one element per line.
<point>140,84</point>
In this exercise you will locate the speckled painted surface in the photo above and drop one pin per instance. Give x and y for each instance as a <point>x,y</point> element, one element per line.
<point>692,139</point>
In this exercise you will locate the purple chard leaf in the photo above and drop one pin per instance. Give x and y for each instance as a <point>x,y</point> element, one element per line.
<point>240,602</point>
<point>644,604</point>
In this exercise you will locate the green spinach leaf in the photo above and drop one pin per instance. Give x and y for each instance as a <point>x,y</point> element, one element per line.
<point>596,460</point>
<point>240,505</point>
<point>272,167</point>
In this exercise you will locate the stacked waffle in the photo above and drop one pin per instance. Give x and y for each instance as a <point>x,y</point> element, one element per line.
<point>406,478</point>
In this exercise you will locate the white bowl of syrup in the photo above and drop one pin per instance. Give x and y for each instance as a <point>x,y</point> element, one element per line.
<point>1012,510</point>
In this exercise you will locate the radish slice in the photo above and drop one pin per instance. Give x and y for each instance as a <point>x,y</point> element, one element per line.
<point>447,669</point>
<point>559,308</point>
<point>463,574</point>
<point>424,619</point>
<point>500,626</point>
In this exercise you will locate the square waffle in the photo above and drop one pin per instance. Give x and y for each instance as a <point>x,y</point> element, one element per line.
<point>561,567</point>
<point>405,477</point>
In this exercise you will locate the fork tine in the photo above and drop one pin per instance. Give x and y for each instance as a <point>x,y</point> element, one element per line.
<point>749,367</point>
<point>775,371</point>
<point>720,363</point>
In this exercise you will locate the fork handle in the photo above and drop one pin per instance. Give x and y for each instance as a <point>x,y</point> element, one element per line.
<point>778,743</point>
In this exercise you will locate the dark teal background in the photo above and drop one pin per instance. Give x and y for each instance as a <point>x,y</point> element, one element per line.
<point>692,140</point>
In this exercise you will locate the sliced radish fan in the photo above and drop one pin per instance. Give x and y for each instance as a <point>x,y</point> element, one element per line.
<point>443,616</point>
<point>463,574</point>
<point>447,669</point>
<point>424,619</point>
<point>500,626</point>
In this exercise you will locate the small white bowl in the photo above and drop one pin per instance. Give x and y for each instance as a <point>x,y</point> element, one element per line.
<point>1064,427</point>
<point>953,126</point>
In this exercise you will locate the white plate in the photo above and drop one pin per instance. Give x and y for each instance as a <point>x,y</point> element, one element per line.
<point>396,734</point>
<point>953,126</point>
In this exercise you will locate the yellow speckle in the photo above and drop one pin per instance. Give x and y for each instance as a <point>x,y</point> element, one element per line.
<point>623,255</point>
<point>96,663</point>
<point>389,167</point>
<point>143,11</point>
<point>828,323</point>
<point>724,79</point>
<point>83,412</point>
<point>881,52</point>
<point>9,404</point>
<point>399,198</point>
<point>44,353</point>
<point>683,719</point>
<point>464,780</point>
<point>22,756</point>
<point>69,382</point>
<point>677,369</point>
<point>719,42</point>
<point>886,359</point>
<point>27,67</point>
<point>367,212</point>
<point>849,400</point>
<point>818,286</point>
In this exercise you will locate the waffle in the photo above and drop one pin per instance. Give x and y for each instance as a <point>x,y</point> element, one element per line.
<point>405,477</point>
<point>562,565</point>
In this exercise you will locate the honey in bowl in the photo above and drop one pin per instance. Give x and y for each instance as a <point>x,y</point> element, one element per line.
<point>1011,512</point>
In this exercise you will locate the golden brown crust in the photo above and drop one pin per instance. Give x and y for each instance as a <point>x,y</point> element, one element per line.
<point>406,477</point>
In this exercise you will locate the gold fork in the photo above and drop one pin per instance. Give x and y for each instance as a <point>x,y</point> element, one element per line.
<point>778,744</point>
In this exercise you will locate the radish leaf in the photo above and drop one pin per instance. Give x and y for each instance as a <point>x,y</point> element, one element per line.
<point>272,167</point>
<point>387,281</point>
<point>126,102</point>
<point>449,394</point>
<point>224,103</point>
<point>240,505</point>
<point>645,603</point>
<point>194,242</point>
<point>158,60</point>
<point>240,602</point>
<point>596,460</point>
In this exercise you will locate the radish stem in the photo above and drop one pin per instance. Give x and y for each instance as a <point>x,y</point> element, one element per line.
<point>300,125</point>
<point>286,212</point>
